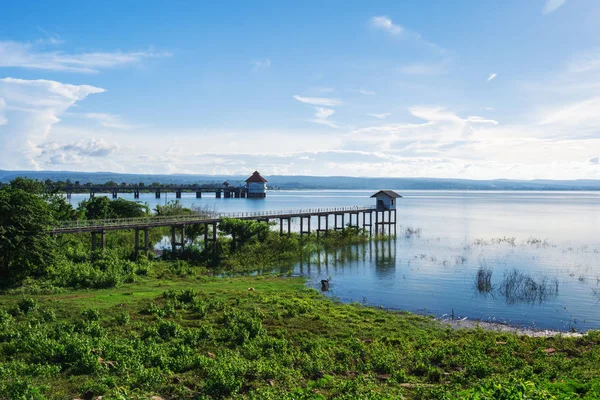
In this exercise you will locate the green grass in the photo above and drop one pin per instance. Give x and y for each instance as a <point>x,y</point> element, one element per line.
<point>267,337</point>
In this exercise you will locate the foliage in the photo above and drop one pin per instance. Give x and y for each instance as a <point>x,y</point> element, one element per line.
<point>26,249</point>
<point>213,338</point>
<point>173,207</point>
<point>103,208</point>
<point>244,232</point>
<point>61,209</point>
<point>28,185</point>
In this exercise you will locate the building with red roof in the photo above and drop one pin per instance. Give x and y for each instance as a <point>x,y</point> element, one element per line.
<point>256,186</point>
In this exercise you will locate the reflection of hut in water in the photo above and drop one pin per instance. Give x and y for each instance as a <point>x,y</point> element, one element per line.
<point>385,258</point>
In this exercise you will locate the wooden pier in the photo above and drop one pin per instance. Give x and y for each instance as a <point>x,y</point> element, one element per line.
<point>220,191</point>
<point>373,219</point>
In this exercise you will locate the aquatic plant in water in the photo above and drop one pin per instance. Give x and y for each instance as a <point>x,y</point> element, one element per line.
<point>484,278</point>
<point>518,287</point>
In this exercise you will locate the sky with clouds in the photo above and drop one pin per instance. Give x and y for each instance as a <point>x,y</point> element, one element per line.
<point>475,89</point>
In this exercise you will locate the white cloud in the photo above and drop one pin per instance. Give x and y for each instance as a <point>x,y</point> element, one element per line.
<point>367,92</point>
<point>32,108</point>
<point>51,38</point>
<point>33,56</point>
<point>261,64</point>
<point>442,129</point>
<point>585,62</point>
<point>2,111</point>
<point>319,101</point>
<point>321,116</point>
<point>492,76</point>
<point>386,24</point>
<point>583,115</point>
<point>73,153</point>
<point>379,116</point>
<point>108,120</point>
<point>434,68</point>
<point>552,5</point>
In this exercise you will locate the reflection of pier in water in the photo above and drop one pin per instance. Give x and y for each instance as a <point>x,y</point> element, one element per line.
<point>380,252</point>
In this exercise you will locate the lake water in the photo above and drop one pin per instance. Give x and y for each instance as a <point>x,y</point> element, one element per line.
<point>548,277</point>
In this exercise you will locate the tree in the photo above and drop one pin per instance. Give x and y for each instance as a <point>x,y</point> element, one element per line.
<point>121,208</point>
<point>26,248</point>
<point>103,208</point>
<point>61,209</point>
<point>243,232</point>
<point>28,185</point>
<point>95,207</point>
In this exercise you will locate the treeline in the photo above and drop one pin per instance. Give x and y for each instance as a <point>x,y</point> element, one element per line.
<point>79,187</point>
<point>30,255</point>
<point>76,186</point>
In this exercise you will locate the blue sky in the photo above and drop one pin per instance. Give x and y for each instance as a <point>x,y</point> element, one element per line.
<point>467,89</point>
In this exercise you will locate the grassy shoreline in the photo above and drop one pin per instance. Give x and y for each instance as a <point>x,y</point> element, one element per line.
<point>267,337</point>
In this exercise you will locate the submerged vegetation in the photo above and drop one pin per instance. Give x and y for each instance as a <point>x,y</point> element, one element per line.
<point>81,324</point>
<point>520,287</point>
<point>516,286</point>
<point>484,278</point>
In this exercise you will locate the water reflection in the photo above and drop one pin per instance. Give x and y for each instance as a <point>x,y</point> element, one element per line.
<point>381,253</point>
<point>385,258</point>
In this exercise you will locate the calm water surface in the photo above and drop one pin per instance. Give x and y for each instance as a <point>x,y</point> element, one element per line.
<point>548,277</point>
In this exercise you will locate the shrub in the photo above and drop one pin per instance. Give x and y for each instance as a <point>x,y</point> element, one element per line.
<point>91,314</point>
<point>27,305</point>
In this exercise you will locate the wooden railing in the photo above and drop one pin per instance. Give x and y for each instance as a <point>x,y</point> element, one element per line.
<point>149,221</point>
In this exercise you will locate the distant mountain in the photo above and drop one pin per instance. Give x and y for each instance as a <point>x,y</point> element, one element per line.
<point>313,182</point>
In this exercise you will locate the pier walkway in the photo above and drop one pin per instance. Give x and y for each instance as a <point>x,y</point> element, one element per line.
<point>225,191</point>
<point>211,221</point>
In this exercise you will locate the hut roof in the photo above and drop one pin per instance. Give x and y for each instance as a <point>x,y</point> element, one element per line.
<point>256,178</point>
<point>389,193</point>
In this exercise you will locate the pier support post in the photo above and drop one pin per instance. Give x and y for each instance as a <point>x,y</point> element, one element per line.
<point>182,243</point>
<point>178,194</point>
<point>318,226</point>
<point>114,194</point>
<point>146,239</point>
<point>173,239</point>
<point>218,193</point>
<point>157,194</point>
<point>302,230</point>
<point>205,236</point>
<point>102,239</point>
<point>198,195</point>
<point>94,243</point>
<point>289,224</point>
<point>136,194</point>
<point>280,226</point>
<point>136,241</point>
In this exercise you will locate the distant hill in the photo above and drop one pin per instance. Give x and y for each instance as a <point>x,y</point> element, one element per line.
<point>313,182</point>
